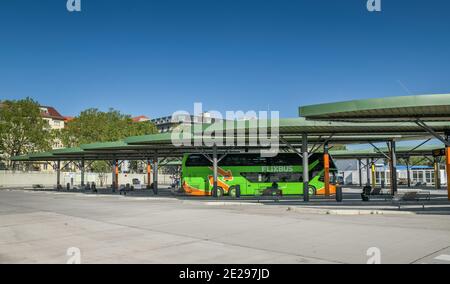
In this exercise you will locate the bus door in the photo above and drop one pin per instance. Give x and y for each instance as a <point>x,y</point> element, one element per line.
<point>208,187</point>
<point>263,182</point>
<point>254,183</point>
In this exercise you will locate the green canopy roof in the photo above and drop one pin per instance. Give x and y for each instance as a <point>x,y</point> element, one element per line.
<point>159,138</point>
<point>68,151</point>
<point>401,152</point>
<point>378,120</point>
<point>104,145</point>
<point>22,158</point>
<point>43,156</point>
<point>143,147</point>
<point>403,108</point>
<point>297,126</point>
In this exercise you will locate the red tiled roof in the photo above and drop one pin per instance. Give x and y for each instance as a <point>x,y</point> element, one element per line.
<point>52,113</point>
<point>68,118</point>
<point>140,118</point>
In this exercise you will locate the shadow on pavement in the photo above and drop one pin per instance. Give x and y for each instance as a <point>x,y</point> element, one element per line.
<point>436,205</point>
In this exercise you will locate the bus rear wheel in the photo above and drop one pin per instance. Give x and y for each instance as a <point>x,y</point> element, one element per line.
<point>232,191</point>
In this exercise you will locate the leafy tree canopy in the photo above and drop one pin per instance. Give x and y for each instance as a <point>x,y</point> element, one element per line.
<point>93,126</point>
<point>22,128</point>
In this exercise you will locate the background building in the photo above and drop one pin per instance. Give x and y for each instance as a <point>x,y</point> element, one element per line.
<point>53,117</point>
<point>56,122</point>
<point>421,175</point>
<point>141,118</point>
<point>168,123</point>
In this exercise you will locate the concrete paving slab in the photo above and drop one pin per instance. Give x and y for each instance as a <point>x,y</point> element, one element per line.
<point>39,227</point>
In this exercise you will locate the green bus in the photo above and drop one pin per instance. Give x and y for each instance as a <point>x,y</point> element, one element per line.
<point>254,174</point>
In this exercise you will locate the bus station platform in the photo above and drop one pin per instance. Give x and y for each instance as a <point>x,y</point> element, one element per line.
<point>308,138</point>
<point>426,202</point>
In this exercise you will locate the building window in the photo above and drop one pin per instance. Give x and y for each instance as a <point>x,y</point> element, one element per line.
<point>380,177</point>
<point>429,176</point>
<point>418,176</point>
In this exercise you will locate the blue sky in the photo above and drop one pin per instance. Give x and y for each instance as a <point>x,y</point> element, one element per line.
<point>154,57</point>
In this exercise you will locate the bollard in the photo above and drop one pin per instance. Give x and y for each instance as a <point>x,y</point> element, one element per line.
<point>238,191</point>
<point>338,193</point>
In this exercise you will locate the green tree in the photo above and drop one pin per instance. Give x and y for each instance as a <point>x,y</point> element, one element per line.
<point>22,129</point>
<point>419,161</point>
<point>101,167</point>
<point>93,126</point>
<point>339,147</point>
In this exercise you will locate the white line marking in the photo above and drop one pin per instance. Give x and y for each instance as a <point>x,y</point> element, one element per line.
<point>444,257</point>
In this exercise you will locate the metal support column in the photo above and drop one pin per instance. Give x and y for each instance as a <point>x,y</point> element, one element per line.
<point>368,172</point>
<point>116,175</point>
<point>446,142</point>
<point>373,172</point>
<point>305,167</point>
<point>408,172</point>
<point>113,180</point>
<point>82,172</point>
<point>393,167</point>
<point>447,164</point>
<point>155,174</point>
<point>360,172</point>
<point>58,174</point>
<point>149,171</point>
<point>326,162</point>
<point>215,167</point>
<point>437,172</point>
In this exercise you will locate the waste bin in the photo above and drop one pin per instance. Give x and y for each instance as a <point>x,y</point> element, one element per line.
<point>365,195</point>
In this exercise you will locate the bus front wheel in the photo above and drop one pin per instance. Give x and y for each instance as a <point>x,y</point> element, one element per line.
<point>312,190</point>
<point>218,193</point>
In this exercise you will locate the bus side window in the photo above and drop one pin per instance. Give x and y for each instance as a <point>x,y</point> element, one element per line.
<point>318,173</point>
<point>259,177</point>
